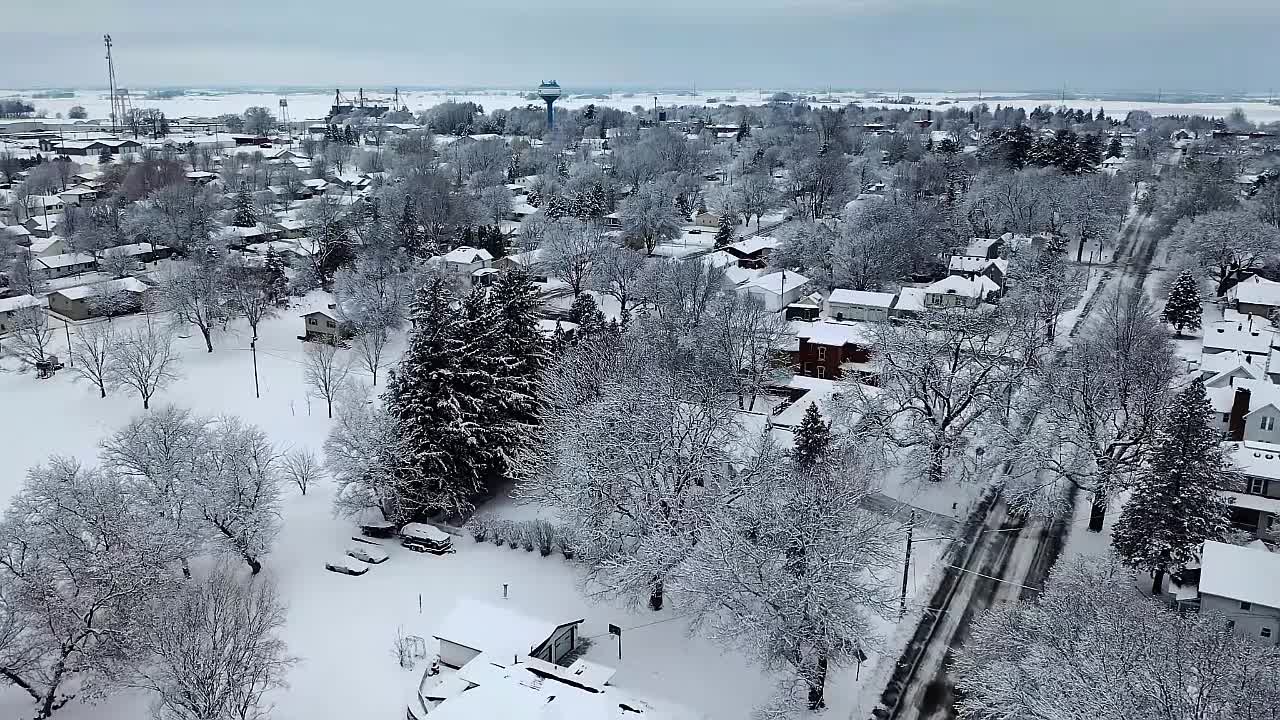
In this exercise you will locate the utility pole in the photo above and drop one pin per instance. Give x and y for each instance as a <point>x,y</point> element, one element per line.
<point>71,360</point>
<point>906,568</point>
<point>253,348</point>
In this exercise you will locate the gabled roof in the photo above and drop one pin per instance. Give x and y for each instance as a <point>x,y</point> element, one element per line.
<point>955,285</point>
<point>499,631</point>
<point>467,255</point>
<point>775,282</point>
<point>833,334</point>
<point>81,292</point>
<point>19,302</point>
<point>1240,573</point>
<point>1256,291</point>
<point>66,260</point>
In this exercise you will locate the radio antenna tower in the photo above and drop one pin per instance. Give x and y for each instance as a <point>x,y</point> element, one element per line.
<point>111,87</point>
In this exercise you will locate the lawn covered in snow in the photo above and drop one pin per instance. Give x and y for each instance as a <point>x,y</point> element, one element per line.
<point>343,627</point>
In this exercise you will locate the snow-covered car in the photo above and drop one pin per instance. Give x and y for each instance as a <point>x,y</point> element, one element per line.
<point>346,566</point>
<point>423,538</point>
<point>367,553</point>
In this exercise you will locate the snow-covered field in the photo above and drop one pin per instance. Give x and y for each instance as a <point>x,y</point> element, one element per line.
<point>311,104</point>
<point>343,627</point>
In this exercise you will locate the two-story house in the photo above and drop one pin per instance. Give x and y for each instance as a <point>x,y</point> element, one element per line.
<point>1255,503</point>
<point>828,349</point>
<point>973,267</point>
<point>1242,584</point>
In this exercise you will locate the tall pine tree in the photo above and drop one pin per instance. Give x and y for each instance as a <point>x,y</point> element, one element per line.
<point>1175,505</point>
<point>724,235</point>
<point>246,215</point>
<point>1182,309</point>
<point>812,438</point>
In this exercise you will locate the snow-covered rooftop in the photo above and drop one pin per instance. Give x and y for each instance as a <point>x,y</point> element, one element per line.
<point>80,292</point>
<point>467,255</point>
<point>831,333</point>
<point>955,285</point>
<point>1237,336</point>
<point>66,260</point>
<point>19,302</point>
<point>1255,459</point>
<point>753,245</point>
<point>1256,291</point>
<point>498,631</point>
<point>910,300</point>
<point>1240,573</point>
<point>864,298</point>
<point>775,282</point>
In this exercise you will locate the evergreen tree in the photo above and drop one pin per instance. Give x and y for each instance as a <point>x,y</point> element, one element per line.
<point>491,238</point>
<point>1175,505</point>
<point>276,281</point>
<point>1183,310</point>
<point>587,316</point>
<point>246,215</point>
<point>812,438</point>
<point>432,400</point>
<point>408,228</point>
<point>521,360</point>
<point>724,235</point>
<point>1019,146</point>
<point>1089,152</point>
<point>1115,149</point>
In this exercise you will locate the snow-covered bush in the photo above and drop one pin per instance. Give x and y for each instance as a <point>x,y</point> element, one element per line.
<point>544,534</point>
<point>499,529</point>
<point>479,528</point>
<point>566,540</point>
<point>528,535</point>
<point>515,534</point>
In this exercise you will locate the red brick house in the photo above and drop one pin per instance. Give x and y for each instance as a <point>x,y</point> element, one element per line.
<point>830,349</point>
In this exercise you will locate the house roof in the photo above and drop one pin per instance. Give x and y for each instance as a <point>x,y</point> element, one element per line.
<point>467,255</point>
<point>1255,459</point>
<point>966,263</point>
<point>910,300</point>
<point>80,292</point>
<point>133,249</point>
<point>1238,336</point>
<point>863,298</point>
<point>833,334</point>
<point>955,285</point>
<point>19,302</point>
<point>1257,291</point>
<point>66,260</point>
<point>753,245</point>
<point>1240,573</point>
<point>775,282</point>
<point>499,631</point>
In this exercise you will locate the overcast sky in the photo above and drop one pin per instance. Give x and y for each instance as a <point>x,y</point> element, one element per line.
<point>1223,45</point>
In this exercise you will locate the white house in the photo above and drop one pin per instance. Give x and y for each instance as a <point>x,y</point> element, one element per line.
<point>777,290</point>
<point>860,305</point>
<point>1255,507</point>
<point>957,291</point>
<point>1243,585</point>
<point>1223,337</point>
<point>11,307</point>
<point>58,266</point>
<point>1224,369</point>
<point>474,627</point>
<point>465,260</point>
<point>1255,296</point>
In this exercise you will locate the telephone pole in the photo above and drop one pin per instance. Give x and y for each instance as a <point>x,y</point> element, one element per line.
<point>906,568</point>
<point>111,86</point>
<point>253,348</point>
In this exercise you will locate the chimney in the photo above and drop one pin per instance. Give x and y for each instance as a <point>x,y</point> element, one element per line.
<point>1239,408</point>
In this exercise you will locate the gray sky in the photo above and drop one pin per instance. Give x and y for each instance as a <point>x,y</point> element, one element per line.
<point>1224,45</point>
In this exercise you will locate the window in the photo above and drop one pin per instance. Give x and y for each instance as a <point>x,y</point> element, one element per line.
<point>1266,632</point>
<point>330,324</point>
<point>1268,423</point>
<point>822,371</point>
<point>808,368</point>
<point>312,321</point>
<point>1226,417</point>
<point>822,354</point>
<point>1246,606</point>
<point>1257,486</point>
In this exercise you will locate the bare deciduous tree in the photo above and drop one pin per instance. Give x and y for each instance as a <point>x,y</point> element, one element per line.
<point>29,341</point>
<point>326,371</point>
<point>239,489</point>
<point>196,293</point>
<point>145,361</point>
<point>93,355</point>
<point>302,468</point>
<point>216,650</point>
<point>570,249</point>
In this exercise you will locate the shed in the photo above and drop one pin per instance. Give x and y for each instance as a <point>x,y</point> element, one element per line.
<point>475,626</point>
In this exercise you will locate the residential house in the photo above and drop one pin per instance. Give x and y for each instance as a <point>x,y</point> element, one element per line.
<point>141,252</point>
<point>1254,413</point>
<point>44,247</point>
<point>65,265</point>
<point>707,219</point>
<point>19,234</point>
<point>1242,584</point>
<point>321,327</point>
<point>10,309</point>
<point>200,177</point>
<point>613,221</point>
<point>860,305</point>
<point>808,308</point>
<point>530,262</point>
<point>520,209</point>
<point>114,297</point>
<point>1256,503</point>
<point>972,267</point>
<point>491,686</point>
<point>910,304</point>
<point>752,252</point>
<point>1238,337</point>
<point>78,195</point>
<point>777,290</point>
<point>957,291</point>
<point>988,248</point>
<point>43,226</point>
<point>1255,296</point>
<point>1224,369</point>
<point>474,627</point>
<point>826,349</point>
<point>463,261</point>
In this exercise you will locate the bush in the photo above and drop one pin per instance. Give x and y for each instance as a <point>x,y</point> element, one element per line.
<point>567,538</point>
<point>479,528</point>
<point>545,535</point>
<point>515,533</point>
<point>498,530</point>
<point>528,535</point>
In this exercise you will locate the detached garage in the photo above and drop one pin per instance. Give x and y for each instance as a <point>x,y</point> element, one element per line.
<point>475,627</point>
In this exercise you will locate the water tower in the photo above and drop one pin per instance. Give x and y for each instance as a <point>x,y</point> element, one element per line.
<point>549,91</point>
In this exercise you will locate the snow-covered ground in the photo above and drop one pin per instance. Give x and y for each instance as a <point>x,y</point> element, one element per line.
<point>311,104</point>
<point>343,627</point>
